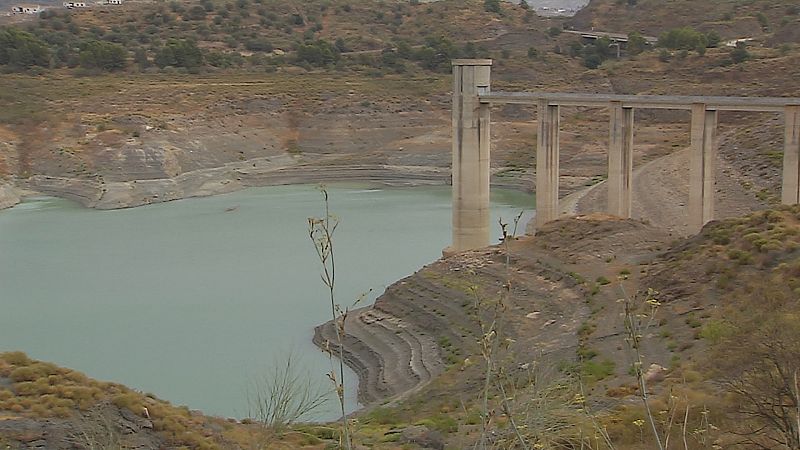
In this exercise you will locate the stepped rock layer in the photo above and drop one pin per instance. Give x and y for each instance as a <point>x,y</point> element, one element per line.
<point>428,322</point>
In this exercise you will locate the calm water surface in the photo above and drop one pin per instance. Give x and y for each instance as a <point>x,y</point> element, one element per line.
<point>192,300</point>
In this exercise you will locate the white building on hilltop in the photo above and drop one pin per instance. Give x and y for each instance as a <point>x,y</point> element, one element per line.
<point>112,2</point>
<point>26,9</point>
<point>70,5</point>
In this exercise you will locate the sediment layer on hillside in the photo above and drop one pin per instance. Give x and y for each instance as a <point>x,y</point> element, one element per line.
<point>231,177</point>
<point>8,196</point>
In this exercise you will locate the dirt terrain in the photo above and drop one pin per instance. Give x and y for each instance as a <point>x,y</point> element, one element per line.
<point>435,307</point>
<point>661,193</point>
<point>137,138</point>
<point>382,338</point>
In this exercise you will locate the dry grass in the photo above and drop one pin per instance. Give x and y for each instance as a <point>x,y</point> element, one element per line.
<point>41,390</point>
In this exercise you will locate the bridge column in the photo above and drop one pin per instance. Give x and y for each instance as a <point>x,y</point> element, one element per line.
<point>620,160</point>
<point>470,155</point>
<point>702,165</point>
<point>547,164</point>
<point>790,194</point>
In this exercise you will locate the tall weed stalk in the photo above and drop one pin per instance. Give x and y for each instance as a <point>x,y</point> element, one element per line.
<point>321,231</point>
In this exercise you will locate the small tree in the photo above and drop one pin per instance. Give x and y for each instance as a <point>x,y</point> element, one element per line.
<point>686,38</point>
<point>492,6</point>
<point>140,58</point>
<point>196,12</point>
<point>184,53</point>
<point>102,55</point>
<point>713,38</point>
<point>739,54</point>
<point>283,397</point>
<point>21,49</point>
<point>319,53</point>
<point>636,43</point>
<point>757,357</point>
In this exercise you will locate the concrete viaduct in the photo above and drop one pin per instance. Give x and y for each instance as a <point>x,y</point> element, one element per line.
<point>613,37</point>
<point>472,99</point>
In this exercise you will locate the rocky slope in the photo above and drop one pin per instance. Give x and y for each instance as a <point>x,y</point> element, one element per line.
<point>428,322</point>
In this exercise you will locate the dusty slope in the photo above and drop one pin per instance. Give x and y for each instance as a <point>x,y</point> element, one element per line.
<point>416,351</point>
<point>661,193</point>
<point>730,18</point>
<point>427,322</point>
<point>126,140</point>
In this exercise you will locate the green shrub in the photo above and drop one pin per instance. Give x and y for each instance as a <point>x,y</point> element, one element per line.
<point>740,54</point>
<point>597,370</point>
<point>21,49</point>
<point>15,358</point>
<point>179,53</point>
<point>102,55</point>
<point>685,38</point>
<point>383,416</point>
<point>491,6</point>
<point>441,422</point>
<point>716,330</point>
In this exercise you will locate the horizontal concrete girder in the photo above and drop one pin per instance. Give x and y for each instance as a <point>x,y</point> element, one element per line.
<point>773,104</point>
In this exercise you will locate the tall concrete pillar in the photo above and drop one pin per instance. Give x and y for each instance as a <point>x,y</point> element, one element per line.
<point>702,162</point>
<point>470,155</point>
<point>790,194</point>
<point>547,164</point>
<point>620,160</point>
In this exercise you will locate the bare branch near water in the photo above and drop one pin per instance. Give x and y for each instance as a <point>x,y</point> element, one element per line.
<point>285,396</point>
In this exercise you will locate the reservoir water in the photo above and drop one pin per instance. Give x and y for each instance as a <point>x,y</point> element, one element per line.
<point>192,300</point>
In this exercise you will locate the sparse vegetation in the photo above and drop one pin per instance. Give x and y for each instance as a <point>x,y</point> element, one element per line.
<point>284,396</point>
<point>740,265</point>
<point>243,35</point>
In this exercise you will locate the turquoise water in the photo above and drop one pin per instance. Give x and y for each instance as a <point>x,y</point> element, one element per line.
<point>192,300</point>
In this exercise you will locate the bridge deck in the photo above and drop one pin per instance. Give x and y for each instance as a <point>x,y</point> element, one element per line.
<point>768,104</point>
<point>620,37</point>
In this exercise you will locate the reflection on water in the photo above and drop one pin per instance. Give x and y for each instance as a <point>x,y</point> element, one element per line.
<point>191,299</point>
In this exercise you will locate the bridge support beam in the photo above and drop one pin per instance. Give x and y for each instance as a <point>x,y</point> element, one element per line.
<point>620,160</point>
<point>547,151</point>
<point>702,164</point>
<point>471,77</point>
<point>790,194</point>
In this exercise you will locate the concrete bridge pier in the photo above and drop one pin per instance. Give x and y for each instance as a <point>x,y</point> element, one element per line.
<point>547,170</point>
<point>790,194</point>
<point>702,163</point>
<point>472,98</point>
<point>620,160</point>
<point>471,77</point>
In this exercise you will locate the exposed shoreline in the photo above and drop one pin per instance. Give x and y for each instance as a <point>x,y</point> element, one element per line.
<point>208,182</point>
<point>232,177</point>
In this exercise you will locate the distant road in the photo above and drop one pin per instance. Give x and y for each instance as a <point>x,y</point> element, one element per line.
<point>619,37</point>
